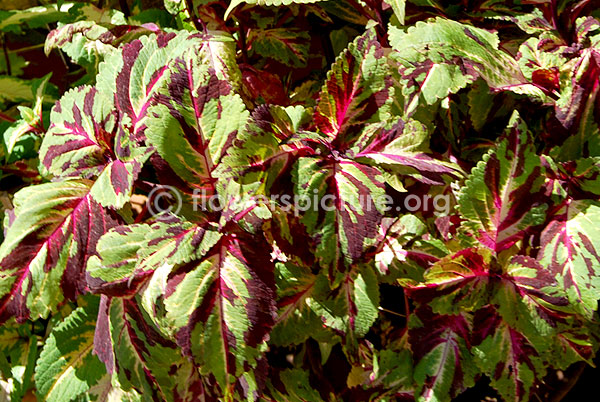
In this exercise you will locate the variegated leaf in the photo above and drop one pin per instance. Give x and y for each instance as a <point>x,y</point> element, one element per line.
<point>270,143</point>
<point>85,141</point>
<point>135,73</point>
<point>573,180</point>
<point>42,260</point>
<point>444,366</point>
<point>503,197</point>
<point>404,252</point>
<point>349,309</point>
<point>506,356</point>
<point>401,150</point>
<point>570,251</point>
<point>339,196</point>
<point>472,278</point>
<point>67,368</point>
<point>128,255</point>
<point>440,57</point>
<point>521,316</point>
<point>219,307</point>
<point>197,114</point>
<point>140,357</point>
<point>575,110</point>
<point>343,202</point>
<point>356,91</point>
<point>295,287</point>
<point>287,46</point>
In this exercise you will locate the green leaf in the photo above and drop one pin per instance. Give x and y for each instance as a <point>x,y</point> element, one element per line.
<point>440,57</point>
<point>350,308</point>
<point>86,11</point>
<point>297,387</point>
<point>481,103</point>
<point>17,90</point>
<point>31,118</point>
<point>399,7</point>
<point>287,46</point>
<point>19,352</point>
<point>34,17</point>
<point>66,367</point>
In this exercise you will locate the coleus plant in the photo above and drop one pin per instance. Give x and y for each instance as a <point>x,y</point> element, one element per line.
<point>291,245</point>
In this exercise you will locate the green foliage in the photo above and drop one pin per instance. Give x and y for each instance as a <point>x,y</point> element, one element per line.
<point>298,200</point>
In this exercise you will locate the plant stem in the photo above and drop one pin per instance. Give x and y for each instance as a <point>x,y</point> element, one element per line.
<point>124,8</point>
<point>391,312</point>
<point>60,53</point>
<point>328,48</point>
<point>7,118</point>
<point>360,9</point>
<point>243,42</point>
<point>573,378</point>
<point>189,5</point>
<point>26,49</point>
<point>283,19</point>
<point>6,58</point>
<point>406,306</point>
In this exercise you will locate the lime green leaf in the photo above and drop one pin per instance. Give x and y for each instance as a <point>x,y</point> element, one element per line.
<point>66,367</point>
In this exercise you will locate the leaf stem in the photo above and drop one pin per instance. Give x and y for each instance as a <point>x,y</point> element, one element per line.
<point>283,19</point>
<point>142,214</point>
<point>391,312</point>
<point>554,13</point>
<point>124,8</point>
<point>26,49</point>
<point>328,48</point>
<point>561,393</point>
<point>60,52</point>
<point>189,5</point>
<point>406,306</point>
<point>360,9</point>
<point>7,118</point>
<point>243,42</point>
<point>6,58</point>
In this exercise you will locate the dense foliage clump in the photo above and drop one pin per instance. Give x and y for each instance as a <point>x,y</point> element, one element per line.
<point>298,200</point>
